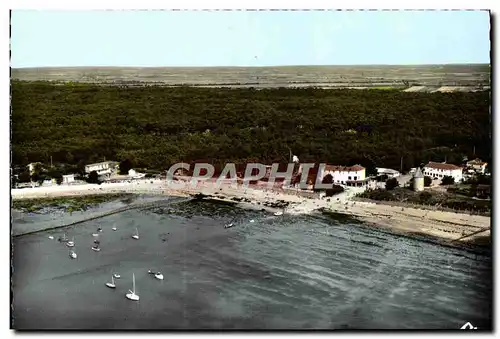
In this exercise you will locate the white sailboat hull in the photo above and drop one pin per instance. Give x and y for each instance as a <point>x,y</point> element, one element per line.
<point>73,256</point>
<point>278,213</point>
<point>131,293</point>
<point>114,228</point>
<point>136,235</point>
<point>110,285</point>
<point>132,296</point>
<point>159,276</point>
<point>70,244</point>
<point>96,249</point>
<point>117,276</point>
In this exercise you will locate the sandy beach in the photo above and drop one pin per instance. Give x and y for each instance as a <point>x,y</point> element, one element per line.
<point>443,225</point>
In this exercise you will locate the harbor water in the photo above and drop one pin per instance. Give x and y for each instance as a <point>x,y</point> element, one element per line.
<point>277,272</point>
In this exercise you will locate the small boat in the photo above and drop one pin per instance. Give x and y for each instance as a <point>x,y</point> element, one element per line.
<point>278,213</point>
<point>112,283</point>
<point>114,228</point>
<point>71,243</point>
<point>72,255</point>
<point>136,235</point>
<point>96,241</point>
<point>252,220</point>
<point>96,248</point>
<point>99,229</point>
<point>95,234</point>
<point>63,238</point>
<point>157,275</point>
<point>231,223</point>
<point>131,295</point>
<point>51,237</point>
<point>116,275</point>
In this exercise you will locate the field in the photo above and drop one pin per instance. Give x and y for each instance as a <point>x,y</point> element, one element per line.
<point>432,77</point>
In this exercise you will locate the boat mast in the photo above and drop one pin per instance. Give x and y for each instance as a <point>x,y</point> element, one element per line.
<point>133,283</point>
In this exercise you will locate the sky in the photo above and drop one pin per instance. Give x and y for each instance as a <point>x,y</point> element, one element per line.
<point>247,38</point>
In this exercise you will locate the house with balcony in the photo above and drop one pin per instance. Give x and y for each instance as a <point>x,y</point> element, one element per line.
<point>105,168</point>
<point>346,175</point>
<point>477,166</point>
<point>438,170</point>
<point>341,175</point>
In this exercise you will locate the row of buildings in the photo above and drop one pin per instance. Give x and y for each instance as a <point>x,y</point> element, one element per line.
<point>105,170</point>
<point>437,170</point>
<point>354,176</point>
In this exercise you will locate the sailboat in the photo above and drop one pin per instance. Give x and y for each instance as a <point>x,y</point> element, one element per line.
<point>116,275</point>
<point>231,224</point>
<point>136,235</point>
<point>131,295</point>
<point>71,243</point>
<point>62,239</point>
<point>112,283</point>
<point>72,254</point>
<point>96,248</point>
<point>157,275</point>
<point>114,228</point>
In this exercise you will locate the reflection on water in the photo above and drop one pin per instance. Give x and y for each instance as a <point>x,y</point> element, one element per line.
<point>287,272</point>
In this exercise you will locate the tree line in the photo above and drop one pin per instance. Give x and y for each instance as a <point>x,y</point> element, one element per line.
<point>154,127</point>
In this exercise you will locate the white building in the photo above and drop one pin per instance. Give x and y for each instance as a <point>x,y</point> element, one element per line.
<point>68,178</point>
<point>102,168</point>
<point>477,166</point>
<point>437,170</point>
<point>49,182</point>
<point>387,171</point>
<point>345,175</point>
<point>135,175</point>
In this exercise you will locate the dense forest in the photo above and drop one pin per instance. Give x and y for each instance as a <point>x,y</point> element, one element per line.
<point>156,126</point>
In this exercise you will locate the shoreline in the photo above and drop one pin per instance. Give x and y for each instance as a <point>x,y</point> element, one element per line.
<point>446,227</point>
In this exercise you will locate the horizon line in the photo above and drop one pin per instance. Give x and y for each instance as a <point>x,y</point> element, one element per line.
<point>271,66</point>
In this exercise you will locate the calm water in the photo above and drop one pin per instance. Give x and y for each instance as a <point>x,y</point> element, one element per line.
<point>287,272</point>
